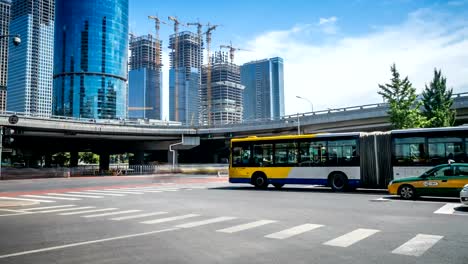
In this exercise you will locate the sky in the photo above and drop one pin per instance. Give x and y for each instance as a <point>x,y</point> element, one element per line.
<point>335,52</point>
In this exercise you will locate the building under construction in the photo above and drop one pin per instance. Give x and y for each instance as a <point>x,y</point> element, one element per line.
<point>225,99</point>
<point>145,78</point>
<point>4,24</point>
<point>184,76</point>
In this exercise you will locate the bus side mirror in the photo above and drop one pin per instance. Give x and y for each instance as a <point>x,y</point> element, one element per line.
<point>450,161</point>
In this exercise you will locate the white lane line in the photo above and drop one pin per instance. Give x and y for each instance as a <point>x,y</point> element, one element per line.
<point>85,243</point>
<point>49,197</point>
<point>89,211</point>
<point>293,231</point>
<point>66,209</point>
<point>149,190</point>
<point>448,208</point>
<point>48,207</point>
<point>137,216</point>
<point>243,227</point>
<point>75,195</point>
<point>112,213</point>
<point>95,193</point>
<point>352,237</point>
<point>206,222</point>
<point>167,219</point>
<point>417,245</point>
<point>26,199</point>
<point>119,191</point>
<point>113,192</point>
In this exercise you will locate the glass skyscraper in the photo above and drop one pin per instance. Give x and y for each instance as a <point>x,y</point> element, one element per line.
<point>264,89</point>
<point>90,62</point>
<point>4,25</point>
<point>30,65</point>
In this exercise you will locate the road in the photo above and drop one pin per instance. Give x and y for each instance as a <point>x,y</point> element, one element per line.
<point>206,220</point>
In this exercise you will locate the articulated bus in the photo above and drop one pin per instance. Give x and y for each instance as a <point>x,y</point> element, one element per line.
<point>344,160</point>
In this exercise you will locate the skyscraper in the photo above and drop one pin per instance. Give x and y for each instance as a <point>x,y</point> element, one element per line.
<point>264,89</point>
<point>30,67</point>
<point>184,77</point>
<point>226,92</point>
<point>144,78</point>
<point>90,63</point>
<point>4,24</point>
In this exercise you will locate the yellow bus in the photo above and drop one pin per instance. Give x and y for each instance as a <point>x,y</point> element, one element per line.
<point>319,159</point>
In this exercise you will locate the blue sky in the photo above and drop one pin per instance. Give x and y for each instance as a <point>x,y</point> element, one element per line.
<point>336,43</point>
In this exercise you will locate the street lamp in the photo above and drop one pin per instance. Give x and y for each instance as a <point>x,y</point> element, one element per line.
<point>303,98</point>
<point>16,38</point>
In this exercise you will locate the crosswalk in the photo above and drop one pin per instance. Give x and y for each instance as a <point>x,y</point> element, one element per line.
<point>416,246</point>
<point>95,193</point>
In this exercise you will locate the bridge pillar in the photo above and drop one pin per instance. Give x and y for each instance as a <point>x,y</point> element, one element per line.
<point>176,155</point>
<point>73,159</point>
<point>104,161</point>
<point>47,160</point>
<point>139,157</point>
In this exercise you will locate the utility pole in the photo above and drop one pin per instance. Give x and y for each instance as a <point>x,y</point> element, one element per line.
<point>208,69</point>
<point>176,65</point>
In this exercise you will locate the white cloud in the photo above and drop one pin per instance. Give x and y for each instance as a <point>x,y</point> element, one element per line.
<point>330,20</point>
<point>347,71</point>
<point>328,25</point>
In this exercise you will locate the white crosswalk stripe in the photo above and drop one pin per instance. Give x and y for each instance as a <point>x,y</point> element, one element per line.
<point>168,219</point>
<point>137,216</point>
<point>351,238</point>
<point>448,208</point>
<point>113,192</point>
<point>49,197</point>
<point>75,195</point>
<point>96,193</point>
<point>243,227</point>
<point>89,211</point>
<point>120,191</point>
<point>287,233</point>
<point>417,245</point>
<point>66,209</point>
<point>48,207</point>
<point>26,199</point>
<point>112,213</point>
<point>148,190</point>
<point>206,222</point>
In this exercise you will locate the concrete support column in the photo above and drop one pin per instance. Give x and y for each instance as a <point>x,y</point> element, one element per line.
<point>169,157</point>
<point>47,160</point>
<point>104,161</point>
<point>139,157</point>
<point>73,159</point>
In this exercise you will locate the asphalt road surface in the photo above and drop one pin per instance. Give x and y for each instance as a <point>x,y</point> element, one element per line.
<point>207,220</point>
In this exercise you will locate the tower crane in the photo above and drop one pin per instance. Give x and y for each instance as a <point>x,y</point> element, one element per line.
<point>208,68</point>
<point>157,25</point>
<point>232,49</point>
<point>176,22</point>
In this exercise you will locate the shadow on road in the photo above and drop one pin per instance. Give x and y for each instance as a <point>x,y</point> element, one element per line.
<point>462,208</point>
<point>426,199</point>
<point>300,189</point>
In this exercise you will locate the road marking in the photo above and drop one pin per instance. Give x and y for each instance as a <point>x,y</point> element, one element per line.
<point>26,199</point>
<point>417,245</point>
<point>113,192</point>
<point>48,207</point>
<point>112,213</point>
<point>149,190</point>
<point>86,243</point>
<point>58,198</point>
<point>137,216</point>
<point>89,211</point>
<point>119,191</point>
<point>351,238</point>
<point>75,195</point>
<point>96,193</point>
<point>243,227</point>
<point>206,222</point>
<point>293,231</point>
<point>65,209</point>
<point>448,208</point>
<point>174,218</point>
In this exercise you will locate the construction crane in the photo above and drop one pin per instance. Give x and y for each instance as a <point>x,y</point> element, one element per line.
<point>232,49</point>
<point>176,64</point>
<point>208,69</point>
<point>157,25</point>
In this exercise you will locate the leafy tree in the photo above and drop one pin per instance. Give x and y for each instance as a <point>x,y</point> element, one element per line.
<point>61,159</point>
<point>89,157</point>
<point>401,95</point>
<point>437,101</point>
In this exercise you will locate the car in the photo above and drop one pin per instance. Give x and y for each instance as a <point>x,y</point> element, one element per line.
<point>464,195</point>
<point>445,180</point>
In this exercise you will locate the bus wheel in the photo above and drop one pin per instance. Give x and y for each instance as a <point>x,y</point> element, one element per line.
<point>278,185</point>
<point>338,182</point>
<point>407,192</point>
<point>259,180</point>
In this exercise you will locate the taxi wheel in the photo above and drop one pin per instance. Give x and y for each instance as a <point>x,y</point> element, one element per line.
<point>407,192</point>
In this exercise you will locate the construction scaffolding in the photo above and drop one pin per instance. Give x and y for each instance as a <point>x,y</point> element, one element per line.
<point>226,92</point>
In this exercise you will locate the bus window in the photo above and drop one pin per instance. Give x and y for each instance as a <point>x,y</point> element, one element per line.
<point>240,155</point>
<point>286,154</point>
<point>313,153</point>
<point>443,149</point>
<point>342,152</point>
<point>410,151</point>
<point>262,155</point>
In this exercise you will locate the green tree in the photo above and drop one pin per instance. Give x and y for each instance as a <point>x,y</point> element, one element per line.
<point>89,157</point>
<point>437,102</point>
<point>401,96</point>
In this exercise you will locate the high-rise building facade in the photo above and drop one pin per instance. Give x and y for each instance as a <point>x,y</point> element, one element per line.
<point>145,78</point>
<point>225,103</point>
<point>30,65</point>
<point>264,89</point>
<point>4,25</point>
<point>184,76</point>
<point>91,55</point>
